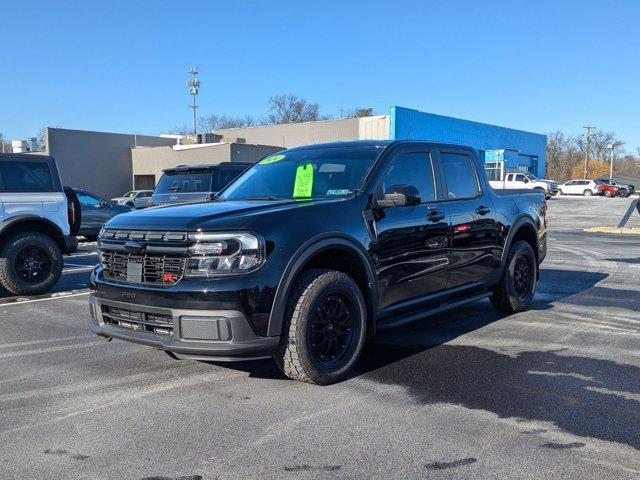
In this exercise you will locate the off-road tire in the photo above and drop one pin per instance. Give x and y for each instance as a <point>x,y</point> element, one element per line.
<point>587,193</point>
<point>292,356</point>
<point>503,295</point>
<point>9,277</point>
<point>70,193</point>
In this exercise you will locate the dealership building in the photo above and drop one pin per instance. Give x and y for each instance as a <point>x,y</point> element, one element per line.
<point>502,149</point>
<point>110,164</point>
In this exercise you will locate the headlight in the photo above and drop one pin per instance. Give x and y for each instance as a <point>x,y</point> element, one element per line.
<point>216,254</point>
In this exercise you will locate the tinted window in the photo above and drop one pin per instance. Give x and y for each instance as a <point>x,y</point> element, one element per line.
<point>225,177</point>
<point>412,169</point>
<point>519,178</point>
<point>87,200</point>
<point>186,181</point>
<point>25,177</point>
<point>460,175</point>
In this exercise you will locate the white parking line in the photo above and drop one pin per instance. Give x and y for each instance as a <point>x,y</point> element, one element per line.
<point>55,296</point>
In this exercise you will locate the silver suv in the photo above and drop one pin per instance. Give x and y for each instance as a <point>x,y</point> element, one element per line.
<point>36,222</point>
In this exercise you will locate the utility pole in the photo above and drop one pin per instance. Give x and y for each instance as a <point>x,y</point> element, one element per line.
<point>611,146</point>
<point>586,151</point>
<point>194,87</point>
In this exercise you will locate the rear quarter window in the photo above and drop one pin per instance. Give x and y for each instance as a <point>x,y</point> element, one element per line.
<point>26,177</point>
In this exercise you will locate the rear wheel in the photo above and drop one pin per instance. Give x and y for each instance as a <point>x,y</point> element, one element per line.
<point>514,293</point>
<point>324,330</point>
<point>587,193</point>
<point>30,263</point>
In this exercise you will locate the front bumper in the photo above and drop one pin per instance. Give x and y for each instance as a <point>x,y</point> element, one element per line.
<point>223,335</point>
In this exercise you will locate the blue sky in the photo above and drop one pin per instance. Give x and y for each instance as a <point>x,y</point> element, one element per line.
<point>120,65</point>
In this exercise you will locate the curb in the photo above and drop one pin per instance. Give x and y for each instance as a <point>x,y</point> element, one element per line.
<point>620,231</point>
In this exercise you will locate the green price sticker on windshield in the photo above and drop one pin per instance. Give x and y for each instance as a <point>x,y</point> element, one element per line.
<point>271,159</point>
<point>303,185</point>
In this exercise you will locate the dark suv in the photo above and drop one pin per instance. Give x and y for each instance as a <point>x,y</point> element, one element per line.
<point>194,183</point>
<point>309,251</point>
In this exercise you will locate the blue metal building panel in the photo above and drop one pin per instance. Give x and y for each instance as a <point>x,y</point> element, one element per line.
<point>405,123</point>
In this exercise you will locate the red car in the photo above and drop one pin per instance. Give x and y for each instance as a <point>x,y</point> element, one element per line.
<point>607,189</point>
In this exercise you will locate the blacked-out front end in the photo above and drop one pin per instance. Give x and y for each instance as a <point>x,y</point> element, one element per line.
<point>142,292</point>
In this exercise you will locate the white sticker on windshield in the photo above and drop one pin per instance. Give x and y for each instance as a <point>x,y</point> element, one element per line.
<point>338,192</point>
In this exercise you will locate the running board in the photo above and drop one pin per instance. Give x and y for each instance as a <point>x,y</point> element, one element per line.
<point>399,320</point>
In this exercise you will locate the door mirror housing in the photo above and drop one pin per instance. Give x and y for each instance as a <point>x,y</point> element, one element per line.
<point>104,204</point>
<point>400,196</point>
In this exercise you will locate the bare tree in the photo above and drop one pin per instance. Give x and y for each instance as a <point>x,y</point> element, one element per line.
<point>5,145</point>
<point>290,108</point>
<point>214,122</point>
<point>356,112</point>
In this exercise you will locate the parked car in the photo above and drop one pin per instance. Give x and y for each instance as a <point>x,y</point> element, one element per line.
<point>608,190</point>
<point>95,212</point>
<point>312,249</point>
<point>36,223</point>
<point>526,181</point>
<point>580,187</point>
<point>624,189</point>
<point>194,183</point>
<point>134,198</point>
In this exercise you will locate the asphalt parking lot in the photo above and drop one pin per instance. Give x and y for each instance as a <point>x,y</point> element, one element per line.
<point>550,393</point>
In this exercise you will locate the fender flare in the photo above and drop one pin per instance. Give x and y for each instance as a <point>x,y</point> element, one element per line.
<point>27,218</point>
<point>310,248</point>
<point>521,220</point>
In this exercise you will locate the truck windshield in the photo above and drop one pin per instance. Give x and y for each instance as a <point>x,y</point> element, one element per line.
<point>304,174</point>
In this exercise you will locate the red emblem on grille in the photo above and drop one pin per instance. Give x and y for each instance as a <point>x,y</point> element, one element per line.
<point>168,278</point>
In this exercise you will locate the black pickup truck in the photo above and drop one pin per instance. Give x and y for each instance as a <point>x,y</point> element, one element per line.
<point>312,249</point>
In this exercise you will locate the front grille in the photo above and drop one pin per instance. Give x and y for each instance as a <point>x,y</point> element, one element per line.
<point>138,321</point>
<point>141,268</point>
<point>159,260</point>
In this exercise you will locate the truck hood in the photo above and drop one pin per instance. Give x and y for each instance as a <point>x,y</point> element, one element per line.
<point>211,215</point>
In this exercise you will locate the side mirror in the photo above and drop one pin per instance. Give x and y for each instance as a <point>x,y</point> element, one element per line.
<point>400,196</point>
<point>104,204</point>
<point>526,180</point>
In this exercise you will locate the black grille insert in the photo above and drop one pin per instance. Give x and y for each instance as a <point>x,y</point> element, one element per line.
<point>138,321</point>
<point>141,268</point>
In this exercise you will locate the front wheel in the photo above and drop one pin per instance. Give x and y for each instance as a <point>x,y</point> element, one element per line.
<point>514,293</point>
<point>607,193</point>
<point>324,330</point>
<point>588,193</point>
<point>30,263</point>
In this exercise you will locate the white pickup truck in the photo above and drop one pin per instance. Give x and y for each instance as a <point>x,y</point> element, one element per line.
<point>526,181</point>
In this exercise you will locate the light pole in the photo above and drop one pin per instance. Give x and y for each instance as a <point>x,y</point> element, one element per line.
<point>588,128</point>
<point>194,87</point>
<point>611,147</point>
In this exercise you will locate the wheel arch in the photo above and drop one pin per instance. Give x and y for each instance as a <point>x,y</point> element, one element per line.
<point>333,251</point>
<point>26,223</point>
<point>523,228</point>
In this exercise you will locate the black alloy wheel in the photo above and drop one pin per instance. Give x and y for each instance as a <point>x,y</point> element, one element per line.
<point>333,331</point>
<point>33,264</point>
<point>522,277</point>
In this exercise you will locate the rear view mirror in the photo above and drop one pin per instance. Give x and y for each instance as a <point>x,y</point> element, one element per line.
<point>400,196</point>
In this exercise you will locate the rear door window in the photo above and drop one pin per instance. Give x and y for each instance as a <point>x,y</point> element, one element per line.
<point>460,176</point>
<point>26,177</point>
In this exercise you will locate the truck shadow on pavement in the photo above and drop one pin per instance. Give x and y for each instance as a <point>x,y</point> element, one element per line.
<point>584,396</point>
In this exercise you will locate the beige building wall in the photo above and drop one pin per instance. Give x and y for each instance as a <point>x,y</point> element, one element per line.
<point>99,162</point>
<point>152,160</point>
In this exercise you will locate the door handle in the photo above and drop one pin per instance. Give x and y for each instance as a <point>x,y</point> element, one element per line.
<point>434,216</point>
<point>482,210</point>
